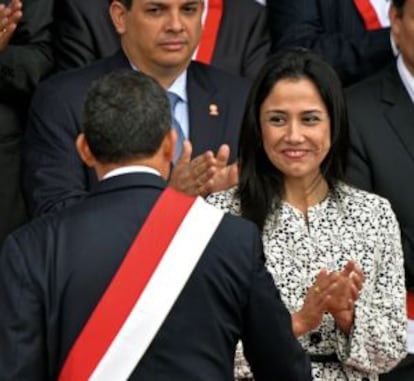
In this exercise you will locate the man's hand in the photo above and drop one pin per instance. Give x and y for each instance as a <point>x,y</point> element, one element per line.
<point>225,176</point>
<point>10,16</point>
<point>204,174</point>
<point>191,176</point>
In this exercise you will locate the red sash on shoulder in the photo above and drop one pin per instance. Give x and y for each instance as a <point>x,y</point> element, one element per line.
<point>210,31</point>
<point>143,290</point>
<point>374,13</point>
<point>410,313</point>
<point>410,305</point>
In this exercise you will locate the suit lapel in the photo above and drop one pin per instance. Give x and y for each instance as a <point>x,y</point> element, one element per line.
<point>206,110</point>
<point>398,109</point>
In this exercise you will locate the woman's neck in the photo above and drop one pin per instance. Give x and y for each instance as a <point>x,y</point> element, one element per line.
<point>303,194</point>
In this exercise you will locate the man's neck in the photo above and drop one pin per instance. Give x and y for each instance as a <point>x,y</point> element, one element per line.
<point>165,76</point>
<point>161,167</point>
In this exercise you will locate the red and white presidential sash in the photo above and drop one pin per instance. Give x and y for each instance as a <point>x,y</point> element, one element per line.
<point>374,13</point>
<point>410,324</point>
<point>213,13</point>
<point>144,289</point>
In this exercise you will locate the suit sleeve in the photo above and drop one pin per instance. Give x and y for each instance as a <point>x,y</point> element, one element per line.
<point>54,175</point>
<point>22,344</point>
<point>353,55</point>
<point>377,341</point>
<point>268,340</point>
<point>28,58</point>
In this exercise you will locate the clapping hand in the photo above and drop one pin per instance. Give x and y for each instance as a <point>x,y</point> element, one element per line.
<point>351,280</point>
<point>334,292</point>
<point>205,173</point>
<point>10,16</point>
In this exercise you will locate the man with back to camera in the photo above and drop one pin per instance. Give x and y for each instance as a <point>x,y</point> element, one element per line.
<point>71,282</point>
<point>157,38</point>
<point>381,115</point>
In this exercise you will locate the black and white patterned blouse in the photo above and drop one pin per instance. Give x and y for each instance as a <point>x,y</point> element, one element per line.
<point>348,224</point>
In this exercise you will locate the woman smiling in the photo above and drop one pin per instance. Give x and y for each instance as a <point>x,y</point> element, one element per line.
<point>334,251</point>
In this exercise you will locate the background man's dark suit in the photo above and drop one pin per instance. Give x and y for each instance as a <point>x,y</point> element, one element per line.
<point>85,33</point>
<point>228,295</point>
<point>26,60</point>
<point>382,157</point>
<point>54,175</point>
<point>333,29</point>
<point>382,152</point>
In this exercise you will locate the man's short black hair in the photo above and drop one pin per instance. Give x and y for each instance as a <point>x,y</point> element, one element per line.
<point>126,115</point>
<point>398,4</point>
<point>127,3</point>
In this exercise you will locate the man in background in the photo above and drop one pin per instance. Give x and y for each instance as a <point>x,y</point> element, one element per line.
<point>381,112</point>
<point>159,39</point>
<point>235,35</point>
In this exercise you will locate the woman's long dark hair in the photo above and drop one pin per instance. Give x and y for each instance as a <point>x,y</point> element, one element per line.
<point>261,184</point>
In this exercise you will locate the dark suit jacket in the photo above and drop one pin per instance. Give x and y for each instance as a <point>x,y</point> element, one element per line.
<point>29,57</point>
<point>26,60</point>
<point>334,29</point>
<point>53,272</point>
<point>382,149</point>
<point>54,174</point>
<point>85,33</point>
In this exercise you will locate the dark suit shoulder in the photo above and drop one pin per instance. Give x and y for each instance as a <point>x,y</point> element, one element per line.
<point>74,82</point>
<point>364,98</point>
<point>219,78</point>
<point>245,5</point>
<point>238,239</point>
<point>367,86</point>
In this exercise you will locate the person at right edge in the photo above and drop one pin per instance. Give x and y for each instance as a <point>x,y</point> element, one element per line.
<point>381,160</point>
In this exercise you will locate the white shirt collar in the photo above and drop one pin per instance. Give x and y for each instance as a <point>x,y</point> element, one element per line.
<point>406,77</point>
<point>130,169</point>
<point>179,86</point>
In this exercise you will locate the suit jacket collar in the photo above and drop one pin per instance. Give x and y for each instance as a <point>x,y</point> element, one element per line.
<point>130,180</point>
<point>398,107</point>
<point>117,61</point>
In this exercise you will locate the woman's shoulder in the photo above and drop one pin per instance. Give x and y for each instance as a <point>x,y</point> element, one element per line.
<point>227,200</point>
<point>362,200</point>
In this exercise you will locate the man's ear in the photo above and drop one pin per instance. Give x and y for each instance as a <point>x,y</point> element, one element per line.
<point>395,20</point>
<point>84,151</point>
<point>118,13</point>
<point>168,145</point>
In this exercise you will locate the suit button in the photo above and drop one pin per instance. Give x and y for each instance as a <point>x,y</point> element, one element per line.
<point>315,338</point>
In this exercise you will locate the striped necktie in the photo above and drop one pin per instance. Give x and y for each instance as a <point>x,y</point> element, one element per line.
<point>174,99</point>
